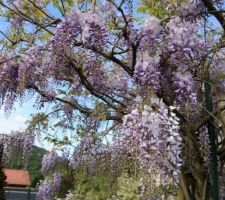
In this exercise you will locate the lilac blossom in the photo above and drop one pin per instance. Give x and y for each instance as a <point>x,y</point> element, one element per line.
<point>49,162</point>
<point>152,25</point>
<point>49,187</point>
<point>147,70</point>
<point>155,135</point>
<point>45,190</point>
<point>191,9</point>
<point>94,32</point>
<point>184,87</point>
<point>57,178</point>
<point>20,141</point>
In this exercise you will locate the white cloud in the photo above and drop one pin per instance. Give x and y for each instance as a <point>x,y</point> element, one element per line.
<point>20,118</point>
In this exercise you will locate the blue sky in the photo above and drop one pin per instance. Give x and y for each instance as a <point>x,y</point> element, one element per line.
<point>16,120</point>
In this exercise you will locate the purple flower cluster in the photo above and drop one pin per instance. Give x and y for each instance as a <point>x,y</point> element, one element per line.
<point>147,71</point>
<point>152,26</point>
<point>28,63</point>
<point>94,69</point>
<point>192,9</point>
<point>154,133</point>
<point>9,81</point>
<point>184,87</point>
<point>57,178</point>
<point>150,34</point>
<point>117,81</point>
<point>89,25</point>
<point>65,34</point>
<point>204,145</point>
<point>48,162</point>
<point>177,40</point>
<point>20,141</point>
<point>49,187</point>
<point>45,190</point>
<point>94,32</point>
<point>84,151</point>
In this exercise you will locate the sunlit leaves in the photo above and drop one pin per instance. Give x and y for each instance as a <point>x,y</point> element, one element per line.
<point>38,122</point>
<point>157,8</point>
<point>63,5</point>
<point>57,142</point>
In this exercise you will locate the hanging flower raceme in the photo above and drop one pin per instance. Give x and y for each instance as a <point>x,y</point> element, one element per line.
<point>94,31</point>
<point>48,162</point>
<point>184,87</point>
<point>147,70</point>
<point>94,69</point>
<point>84,151</point>
<point>28,63</point>
<point>179,45</point>
<point>49,187</point>
<point>153,132</point>
<point>117,81</point>
<point>152,26</point>
<point>19,142</point>
<point>204,145</point>
<point>150,34</point>
<point>66,32</point>
<point>89,25</point>
<point>191,10</point>
<point>9,80</point>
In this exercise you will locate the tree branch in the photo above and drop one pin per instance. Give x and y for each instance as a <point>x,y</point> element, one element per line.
<point>75,104</point>
<point>219,16</point>
<point>203,121</point>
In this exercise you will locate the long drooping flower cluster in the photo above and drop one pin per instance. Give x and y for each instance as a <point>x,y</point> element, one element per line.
<point>151,134</point>
<point>8,77</point>
<point>147,70</point>
<point>67,30</point>
<point>204,145</point>
<point>85,152</point>
<point>94,32</point>
<point>49,187</point>
<point>19,142</point>
<point>48,162</point>
<point>184,86</point>
<point>90,25</point>
<point>28,72</point>
<point>191,9</point>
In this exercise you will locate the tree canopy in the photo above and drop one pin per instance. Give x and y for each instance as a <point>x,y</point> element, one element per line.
<point>128,91</point>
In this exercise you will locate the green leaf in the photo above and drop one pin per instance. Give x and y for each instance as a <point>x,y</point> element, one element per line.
<point>55,3</point>
<point>70,3</point>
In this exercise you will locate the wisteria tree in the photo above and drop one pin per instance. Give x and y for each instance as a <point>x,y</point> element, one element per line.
<point>123,85</point>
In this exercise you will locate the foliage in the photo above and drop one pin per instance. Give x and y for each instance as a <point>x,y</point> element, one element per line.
<point>123,185</point>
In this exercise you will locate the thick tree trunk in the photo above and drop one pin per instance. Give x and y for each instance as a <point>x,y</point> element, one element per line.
<point>194,176</point>
<point>196,182</point>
